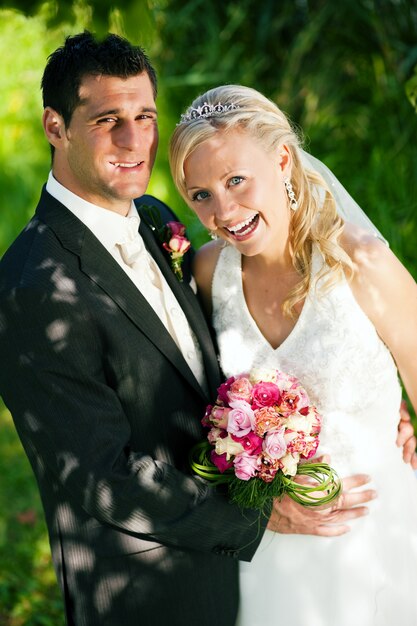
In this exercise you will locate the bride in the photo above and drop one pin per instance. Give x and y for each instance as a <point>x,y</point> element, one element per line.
<point>290,285</point>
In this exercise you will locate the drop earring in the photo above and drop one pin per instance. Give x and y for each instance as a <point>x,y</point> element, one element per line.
<point>213,234</point>
<point>290,194</point>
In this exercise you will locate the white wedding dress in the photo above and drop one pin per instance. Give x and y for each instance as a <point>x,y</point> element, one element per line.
<point>367,577</point>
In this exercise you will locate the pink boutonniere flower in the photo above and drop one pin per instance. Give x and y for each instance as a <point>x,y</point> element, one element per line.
<point>172,236</point>
<point>176,244</point>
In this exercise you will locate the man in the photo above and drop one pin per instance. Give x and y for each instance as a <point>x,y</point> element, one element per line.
<point>107,366</point>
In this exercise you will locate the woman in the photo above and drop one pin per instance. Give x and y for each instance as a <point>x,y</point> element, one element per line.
<point>290,285</point>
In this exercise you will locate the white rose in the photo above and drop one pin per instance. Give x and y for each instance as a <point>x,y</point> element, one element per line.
<point>259,375</point>
<point>300,423</point>
<point>289,463</point>
<point>229,446</point>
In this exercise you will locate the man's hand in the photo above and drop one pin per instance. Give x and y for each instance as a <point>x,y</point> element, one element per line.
<point>406,437</point>
<point>288,517</point>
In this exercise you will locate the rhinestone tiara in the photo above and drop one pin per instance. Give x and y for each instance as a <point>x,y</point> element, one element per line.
<point>207,110</point>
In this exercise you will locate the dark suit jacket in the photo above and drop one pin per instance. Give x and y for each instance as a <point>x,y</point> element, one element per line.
<point>107,410</point>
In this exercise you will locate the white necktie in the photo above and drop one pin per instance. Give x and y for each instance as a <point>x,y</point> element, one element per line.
<point>157,292</point>
<point>134,254</point>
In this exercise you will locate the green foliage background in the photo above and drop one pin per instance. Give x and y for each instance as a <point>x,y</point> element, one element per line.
<point>344,74</point>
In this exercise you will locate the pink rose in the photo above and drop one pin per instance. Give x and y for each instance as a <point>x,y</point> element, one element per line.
<point>252,444</point>
<point>177,245</point>
<point>265,394</point>
<point>219,416</point>
<point>241,418</point>
<point>303,399</point>
<point>274,444</point>
<point>246,465</point>
<point>223,389</point>
<point>176,228</point>
<point>214,434</point>
<point>206,419</point>
<point>240,389</point>
<point>220,461</point>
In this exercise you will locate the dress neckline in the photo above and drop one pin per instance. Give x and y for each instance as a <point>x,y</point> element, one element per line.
<point>245,309</point>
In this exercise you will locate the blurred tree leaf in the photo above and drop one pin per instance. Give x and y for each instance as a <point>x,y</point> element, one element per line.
<point>411,89</point>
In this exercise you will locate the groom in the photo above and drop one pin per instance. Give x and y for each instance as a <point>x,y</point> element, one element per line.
<point>107,366</point>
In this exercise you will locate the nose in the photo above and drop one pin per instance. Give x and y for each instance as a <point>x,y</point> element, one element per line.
<point>225,207</point>
<point>128,135</point>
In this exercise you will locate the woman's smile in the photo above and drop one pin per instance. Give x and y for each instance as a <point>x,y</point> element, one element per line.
<point>243,230</point>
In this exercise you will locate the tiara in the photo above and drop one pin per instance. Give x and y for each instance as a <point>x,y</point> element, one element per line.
<point>207,110</point>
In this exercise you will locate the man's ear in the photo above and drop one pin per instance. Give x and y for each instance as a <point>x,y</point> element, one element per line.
<point>284,160</point>
<point>53,125</point>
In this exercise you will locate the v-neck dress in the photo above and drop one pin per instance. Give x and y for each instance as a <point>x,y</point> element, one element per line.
<point>367,577</point>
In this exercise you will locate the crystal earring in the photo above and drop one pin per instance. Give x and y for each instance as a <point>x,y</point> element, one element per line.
<point>291,194</point>
<point>213,234</point>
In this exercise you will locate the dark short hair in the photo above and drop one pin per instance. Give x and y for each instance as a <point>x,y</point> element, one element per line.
<point>83,55</point>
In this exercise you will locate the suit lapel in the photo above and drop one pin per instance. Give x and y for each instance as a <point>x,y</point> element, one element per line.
<point>98,264</point>
<point>188,302</point>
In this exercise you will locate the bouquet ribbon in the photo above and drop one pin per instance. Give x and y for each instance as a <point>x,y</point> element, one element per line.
<point>323,484</point>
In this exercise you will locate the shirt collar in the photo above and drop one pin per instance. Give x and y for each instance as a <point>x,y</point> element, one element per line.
<point>109,227</point>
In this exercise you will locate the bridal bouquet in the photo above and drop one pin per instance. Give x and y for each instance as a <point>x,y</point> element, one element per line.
<point>262,431</point>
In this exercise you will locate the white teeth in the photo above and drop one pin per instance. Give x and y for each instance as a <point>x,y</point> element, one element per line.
<point>234,229</point>
<point>125,164</point>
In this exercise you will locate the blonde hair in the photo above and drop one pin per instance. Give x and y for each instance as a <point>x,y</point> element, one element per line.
<point>315,221</point>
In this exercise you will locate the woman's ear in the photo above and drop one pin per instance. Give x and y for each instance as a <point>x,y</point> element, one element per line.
<point>285,160</point>
<point>53,125</point>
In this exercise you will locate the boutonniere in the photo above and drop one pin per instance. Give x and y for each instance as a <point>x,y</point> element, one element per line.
<point>171,235</point>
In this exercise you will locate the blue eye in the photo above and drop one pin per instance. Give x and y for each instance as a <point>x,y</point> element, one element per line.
<point>235,180</point>
<point>200,195</point>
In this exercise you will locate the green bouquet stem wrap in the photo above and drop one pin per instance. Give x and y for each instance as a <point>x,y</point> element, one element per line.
<point>320,487</point>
